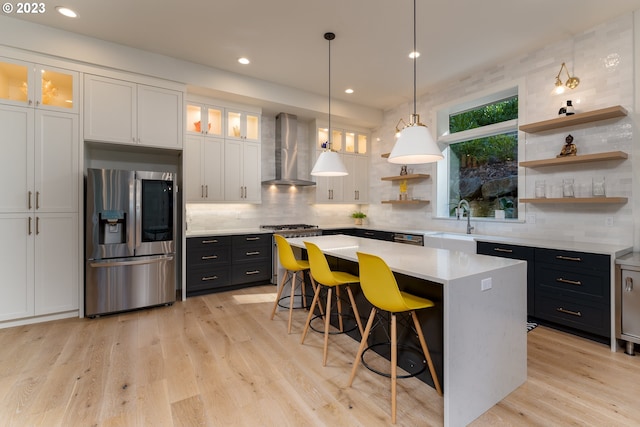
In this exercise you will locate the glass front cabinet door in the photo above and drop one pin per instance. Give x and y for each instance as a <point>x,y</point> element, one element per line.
<point>205,120</point>
<point>39,86</point>
<point>243,125</point>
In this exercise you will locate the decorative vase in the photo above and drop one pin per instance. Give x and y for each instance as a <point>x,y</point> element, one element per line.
<point>358,221</point>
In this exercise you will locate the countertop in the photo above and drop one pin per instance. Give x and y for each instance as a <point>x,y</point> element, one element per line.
<point>630,260</point>
<point>615,251</point>
<point>436,265</point>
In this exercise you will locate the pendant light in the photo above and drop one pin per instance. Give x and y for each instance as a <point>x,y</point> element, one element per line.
<point>415,144</point>
<point>329,162</point>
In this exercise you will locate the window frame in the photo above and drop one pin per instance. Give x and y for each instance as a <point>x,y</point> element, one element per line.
<point>444,139</point>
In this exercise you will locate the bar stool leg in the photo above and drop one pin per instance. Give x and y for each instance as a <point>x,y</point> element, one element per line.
<point>313,306</point>
<point>394,367</point>
<point>293,292</point>
<point>327,322</point>
<point>356,314</point>
<point>275,304</point>
<point>425,350</point>
<point>363,344</point>
<point>339,304</point>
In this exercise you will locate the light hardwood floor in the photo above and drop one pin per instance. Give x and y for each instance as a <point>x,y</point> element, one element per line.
<point>217,360</point>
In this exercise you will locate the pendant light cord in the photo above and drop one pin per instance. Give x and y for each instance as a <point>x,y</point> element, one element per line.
<point>415,58</point>
<point>329,136</point>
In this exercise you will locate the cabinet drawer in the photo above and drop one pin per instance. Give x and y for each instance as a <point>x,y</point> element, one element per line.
<point>574,259</point>
<point>208,242</point>
<point>203,256</point>
<point>251,253</point>
<point>375,234</point>
<point>255,240</point>
<point>199,279</point>
<point>571,281</point>
<point>251,272</point>
<point>505,251</point>
<point>579,315</point>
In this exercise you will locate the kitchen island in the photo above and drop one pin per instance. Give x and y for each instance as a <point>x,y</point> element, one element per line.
<point>483,302</point>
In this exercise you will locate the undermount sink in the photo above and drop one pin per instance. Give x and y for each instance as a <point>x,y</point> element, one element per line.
<point>451,241</point>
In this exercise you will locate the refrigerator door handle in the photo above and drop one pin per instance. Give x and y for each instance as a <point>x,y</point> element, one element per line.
<point>103,264</point>
<point>138,202</point>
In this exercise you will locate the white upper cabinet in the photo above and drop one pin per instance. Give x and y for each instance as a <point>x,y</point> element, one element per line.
<point>129,113</point>
<point>242,125</point>
<point>207,120</point>
<point>34,85</point>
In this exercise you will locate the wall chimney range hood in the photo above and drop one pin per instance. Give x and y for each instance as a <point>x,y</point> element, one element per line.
<point>287,152</point>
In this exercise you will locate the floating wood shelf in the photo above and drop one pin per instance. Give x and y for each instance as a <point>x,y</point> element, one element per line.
<point>408,176</point>
<point>576,119</point>
<point>611,155</point>
<point>406,202</point>
<point>577,200</point>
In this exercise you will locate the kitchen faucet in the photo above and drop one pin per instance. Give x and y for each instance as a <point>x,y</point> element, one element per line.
<point>465,205</point>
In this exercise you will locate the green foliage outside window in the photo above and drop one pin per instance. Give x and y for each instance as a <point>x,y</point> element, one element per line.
<point>490,158</point>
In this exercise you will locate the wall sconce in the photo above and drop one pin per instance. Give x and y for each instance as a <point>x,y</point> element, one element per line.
<point>571,83</point>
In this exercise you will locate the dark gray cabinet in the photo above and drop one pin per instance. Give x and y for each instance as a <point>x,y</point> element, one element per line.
<point>220,263</point>
<point>573,289</point>
<point>567,289</point>
<point>523,253</point>
<point>362,232</point>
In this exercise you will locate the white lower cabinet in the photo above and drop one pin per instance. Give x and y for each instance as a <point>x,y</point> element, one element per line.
<point>204,169</point>
<point>56,263</point>
<point>39,260</point>
<point>16,264</point>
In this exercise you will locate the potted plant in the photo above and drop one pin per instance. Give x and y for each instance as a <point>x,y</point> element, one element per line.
<point>358,217</point>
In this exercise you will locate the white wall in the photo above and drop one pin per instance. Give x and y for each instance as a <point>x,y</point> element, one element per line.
<point>603,59</point>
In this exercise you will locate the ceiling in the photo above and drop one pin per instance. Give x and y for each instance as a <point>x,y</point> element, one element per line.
<point>284,38</point>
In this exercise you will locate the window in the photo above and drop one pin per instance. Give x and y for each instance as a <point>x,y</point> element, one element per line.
<point>481,157</point>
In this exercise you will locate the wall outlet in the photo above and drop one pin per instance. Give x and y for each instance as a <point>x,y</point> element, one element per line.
<point>608,221</point>
<point>485,284</point>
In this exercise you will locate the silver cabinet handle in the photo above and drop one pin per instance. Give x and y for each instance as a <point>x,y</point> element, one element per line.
<point>568,258</point>
<point>573,313</point>
<point>209,241</point>
<point>206,191</point>
<point>508,251</point>
<point>37,225</point>
<point>29,227</point>
<point>29,199</point>
<point>204,279</point>
<point>252,253</point>
<point>249,273</point>
<point>103,264</point>
<point>206,257</point>
<point>37,200</point>
<point>571,282</point>
<point>251,239</point>
<point>202,191</point>
<point>628,284</point>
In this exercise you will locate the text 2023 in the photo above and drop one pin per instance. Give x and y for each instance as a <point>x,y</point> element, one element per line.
<point>30,8</point>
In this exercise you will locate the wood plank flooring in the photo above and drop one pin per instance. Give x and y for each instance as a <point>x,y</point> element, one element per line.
<point>217,360</point>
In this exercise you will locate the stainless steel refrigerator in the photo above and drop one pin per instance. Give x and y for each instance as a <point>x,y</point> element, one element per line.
<point>130,243</point>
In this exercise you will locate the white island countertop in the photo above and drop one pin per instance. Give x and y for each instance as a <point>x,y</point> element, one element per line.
<point>484,317</point>
<point>436,265</point>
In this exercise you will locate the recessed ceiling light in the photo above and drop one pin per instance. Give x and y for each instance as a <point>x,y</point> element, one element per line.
<point>243,61</point>
<point>66,12</point>
<point>349,90</point>
<point>414,55</point>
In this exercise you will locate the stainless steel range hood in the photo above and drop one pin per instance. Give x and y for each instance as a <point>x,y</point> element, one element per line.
<point>287,152</point>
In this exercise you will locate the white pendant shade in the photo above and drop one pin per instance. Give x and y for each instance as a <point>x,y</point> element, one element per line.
<point>329,163</point>
<point>414,146</point>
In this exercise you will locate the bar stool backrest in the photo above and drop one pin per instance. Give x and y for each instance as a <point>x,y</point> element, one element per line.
<point>319,267</point>
<point>379,284</point>
<point>286,255</point>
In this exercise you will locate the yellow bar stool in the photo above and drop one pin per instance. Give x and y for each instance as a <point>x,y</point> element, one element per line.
<point>292,267</point>
<point>324,277</point>
<point>380,288</point>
